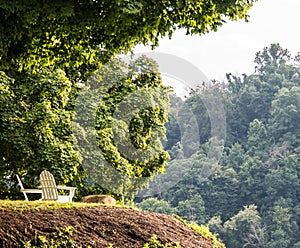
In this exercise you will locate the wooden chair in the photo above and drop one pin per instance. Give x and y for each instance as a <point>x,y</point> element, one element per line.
<point>25,191</point>
<point>50,189</point>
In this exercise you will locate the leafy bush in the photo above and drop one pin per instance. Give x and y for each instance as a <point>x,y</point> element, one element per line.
<point>155,243</point>
<point>62,239</point>
<point>204,232</point>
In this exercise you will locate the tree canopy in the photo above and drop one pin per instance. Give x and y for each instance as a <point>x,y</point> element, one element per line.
<point>68,33</point>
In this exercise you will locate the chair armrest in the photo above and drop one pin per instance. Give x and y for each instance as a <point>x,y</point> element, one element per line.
<point>31,190</point>
<point>65,187</point>
<point>71,190</point>
<point>61,187</point>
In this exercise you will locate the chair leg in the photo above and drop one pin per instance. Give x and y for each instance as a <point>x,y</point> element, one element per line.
<point>21,186</point>
<point>25,195</point>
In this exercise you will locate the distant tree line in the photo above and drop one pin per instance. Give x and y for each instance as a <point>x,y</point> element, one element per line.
<point>251,196</point>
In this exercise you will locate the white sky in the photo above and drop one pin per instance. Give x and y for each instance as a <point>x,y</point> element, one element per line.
<point>232,48</point>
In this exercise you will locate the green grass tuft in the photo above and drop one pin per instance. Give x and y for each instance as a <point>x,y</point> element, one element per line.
<point>203,231</point>
<point>20,206</point>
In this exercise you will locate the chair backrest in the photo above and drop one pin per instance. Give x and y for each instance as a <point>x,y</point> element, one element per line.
<point>21,186</point>
<point>49,189</point>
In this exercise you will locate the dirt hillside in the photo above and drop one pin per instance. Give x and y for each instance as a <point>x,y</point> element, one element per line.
<point>98,227</point>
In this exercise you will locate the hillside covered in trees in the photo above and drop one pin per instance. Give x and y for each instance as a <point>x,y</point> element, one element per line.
<point>249,190</point>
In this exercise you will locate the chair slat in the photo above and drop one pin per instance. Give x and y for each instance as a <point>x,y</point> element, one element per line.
<point>49,187</point>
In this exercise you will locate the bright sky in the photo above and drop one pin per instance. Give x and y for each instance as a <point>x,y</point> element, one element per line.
<point>233,47</point>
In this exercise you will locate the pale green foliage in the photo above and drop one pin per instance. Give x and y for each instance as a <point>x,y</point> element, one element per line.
<point>205,232</point>
<point>62,238</point>
<point>155,243</point>
<point>21,205</point>
<point>246,216</point>
<point>124,107</point>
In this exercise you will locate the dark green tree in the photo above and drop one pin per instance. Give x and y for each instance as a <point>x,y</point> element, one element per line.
<point>285,118</point>
<point>245,229</point>
<point>155,205</point>
<point>281,227</point>
<point>192,209</point>
<point>258,140</point>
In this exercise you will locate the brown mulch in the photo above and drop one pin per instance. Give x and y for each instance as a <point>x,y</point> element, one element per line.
<point>98,227</point>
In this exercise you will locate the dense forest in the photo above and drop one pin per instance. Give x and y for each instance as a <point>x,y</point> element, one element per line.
<point>244,186</point>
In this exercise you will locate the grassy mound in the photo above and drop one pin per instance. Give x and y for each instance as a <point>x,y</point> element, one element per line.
<point>51,224</point>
